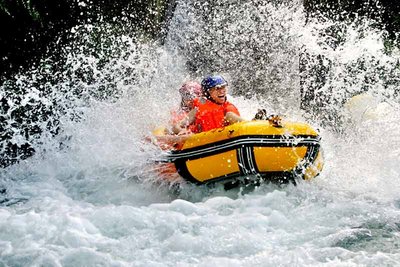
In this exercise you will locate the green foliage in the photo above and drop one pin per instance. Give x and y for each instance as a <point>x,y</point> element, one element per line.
<point>17,7</point>
<point>31,10</point>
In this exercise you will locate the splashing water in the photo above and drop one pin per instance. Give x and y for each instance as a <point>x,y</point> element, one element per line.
<point>87,196</point>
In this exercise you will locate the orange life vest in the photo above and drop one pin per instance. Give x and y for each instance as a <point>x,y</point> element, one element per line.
<point>211,115</point>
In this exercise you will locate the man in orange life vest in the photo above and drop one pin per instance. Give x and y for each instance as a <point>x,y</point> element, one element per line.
<point>210,111</point>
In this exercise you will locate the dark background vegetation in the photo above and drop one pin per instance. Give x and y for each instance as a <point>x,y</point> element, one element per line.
<point>386,13</point>
<point>31,28</point>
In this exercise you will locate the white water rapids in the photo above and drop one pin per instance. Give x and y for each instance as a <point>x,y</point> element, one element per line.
<point>89,197</point>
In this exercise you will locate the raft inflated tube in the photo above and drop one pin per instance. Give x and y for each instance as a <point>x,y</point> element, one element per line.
<point>249,148</point>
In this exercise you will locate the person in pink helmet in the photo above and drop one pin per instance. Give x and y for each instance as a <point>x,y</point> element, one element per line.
<point>189,91</point>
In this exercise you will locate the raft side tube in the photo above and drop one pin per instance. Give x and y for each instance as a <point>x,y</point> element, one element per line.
<point>248,149</point>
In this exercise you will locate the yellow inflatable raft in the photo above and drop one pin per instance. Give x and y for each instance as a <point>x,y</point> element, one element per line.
<point>249,149</point>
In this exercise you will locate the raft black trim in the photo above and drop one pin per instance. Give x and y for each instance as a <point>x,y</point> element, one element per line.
<point>246,160</point>
<point>252,160</point>
<point>309,159</point>
<point>183,171</point>
<point>234,143</point>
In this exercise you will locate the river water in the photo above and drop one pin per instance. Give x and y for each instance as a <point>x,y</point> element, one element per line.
<point>91,197</point>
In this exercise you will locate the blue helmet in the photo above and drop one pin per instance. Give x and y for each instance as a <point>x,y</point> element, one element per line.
<point>212,81</point>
